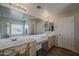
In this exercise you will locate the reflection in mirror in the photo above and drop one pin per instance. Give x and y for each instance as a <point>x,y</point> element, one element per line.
<point>16,29</point>
<point>46,25</point>
<point>51,27</point>
<point>8,28</point>
<point>4,30</point>
<point>0,31</point>
<point>26,28</point>
<point>13,23</point>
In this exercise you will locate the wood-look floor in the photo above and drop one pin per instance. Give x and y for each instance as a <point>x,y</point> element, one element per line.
<point>55,51</point>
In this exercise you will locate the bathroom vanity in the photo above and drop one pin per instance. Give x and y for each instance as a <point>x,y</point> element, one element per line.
<point>24,45</point>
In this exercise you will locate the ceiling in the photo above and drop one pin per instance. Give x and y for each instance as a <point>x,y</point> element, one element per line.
<point>50,7</point>
<point>48,10</point>
<point>54,8</point>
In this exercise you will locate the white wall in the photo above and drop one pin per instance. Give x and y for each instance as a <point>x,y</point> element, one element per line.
<point>76,29</point>
<point>74,13</point>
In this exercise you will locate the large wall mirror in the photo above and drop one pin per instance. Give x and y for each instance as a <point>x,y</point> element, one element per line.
<point>13,23</point>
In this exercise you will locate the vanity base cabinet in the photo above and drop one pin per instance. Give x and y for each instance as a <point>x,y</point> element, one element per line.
<point>7,52</point>
<point>18,50</point>
<point>21,50</point>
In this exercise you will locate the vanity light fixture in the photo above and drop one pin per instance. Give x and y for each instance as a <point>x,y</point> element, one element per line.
<point>18,6</point>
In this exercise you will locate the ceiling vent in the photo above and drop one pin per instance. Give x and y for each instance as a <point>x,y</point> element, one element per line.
<point>38,7</point>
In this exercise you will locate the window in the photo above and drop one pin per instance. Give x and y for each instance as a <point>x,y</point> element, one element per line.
<point>16,29</point>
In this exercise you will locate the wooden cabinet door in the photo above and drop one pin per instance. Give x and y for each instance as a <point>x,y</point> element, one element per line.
<point>32,51</point>
<point>23,50</point>
<point>32,48</point>
<point>51,42</point>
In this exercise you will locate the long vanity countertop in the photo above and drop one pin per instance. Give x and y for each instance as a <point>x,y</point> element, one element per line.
<point>7,43</point>
<point>39,38</point>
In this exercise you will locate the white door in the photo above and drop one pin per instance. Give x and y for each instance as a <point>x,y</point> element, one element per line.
<point>65,32</point>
